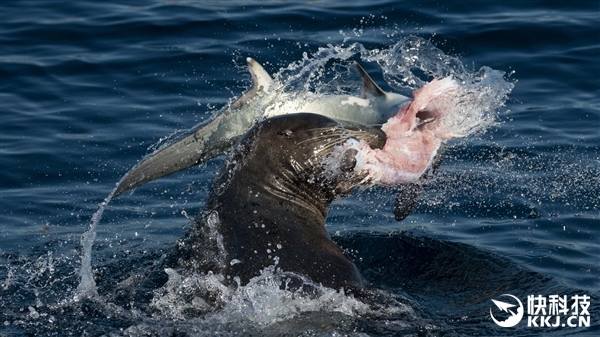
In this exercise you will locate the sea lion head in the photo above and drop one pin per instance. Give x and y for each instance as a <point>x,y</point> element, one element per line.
<point>270,201</point>
<point>304,154</point>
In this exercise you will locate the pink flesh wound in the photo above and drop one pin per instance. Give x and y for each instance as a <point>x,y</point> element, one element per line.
<point>414,136</point>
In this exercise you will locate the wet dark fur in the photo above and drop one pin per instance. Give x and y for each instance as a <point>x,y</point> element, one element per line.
<point>270,202</point>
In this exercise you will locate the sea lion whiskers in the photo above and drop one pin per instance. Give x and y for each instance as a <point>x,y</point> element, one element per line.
<point>342,134</point>
<point>330,136</point>
<point>331,142</point>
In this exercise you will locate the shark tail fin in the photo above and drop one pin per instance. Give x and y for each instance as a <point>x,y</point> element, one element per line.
<point>209,141</point>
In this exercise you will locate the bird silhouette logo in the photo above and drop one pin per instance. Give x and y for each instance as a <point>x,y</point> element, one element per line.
<point>514,318</point>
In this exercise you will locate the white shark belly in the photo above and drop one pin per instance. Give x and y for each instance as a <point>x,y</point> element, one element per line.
<point>342,107</point>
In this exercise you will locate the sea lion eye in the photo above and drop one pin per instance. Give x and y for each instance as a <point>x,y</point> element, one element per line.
<point>286,133</point>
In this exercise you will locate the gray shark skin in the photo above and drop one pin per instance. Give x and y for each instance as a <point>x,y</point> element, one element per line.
<point>214,138</point>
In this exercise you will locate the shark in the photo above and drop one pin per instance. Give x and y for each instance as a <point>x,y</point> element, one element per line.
<point>212,139</point>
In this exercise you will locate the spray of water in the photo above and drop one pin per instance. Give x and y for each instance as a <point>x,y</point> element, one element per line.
<point>406,65</point>
<point>87,286</point>
<point>262,303</point>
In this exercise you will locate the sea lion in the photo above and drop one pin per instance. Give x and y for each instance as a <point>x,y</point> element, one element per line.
<point>269,203</point>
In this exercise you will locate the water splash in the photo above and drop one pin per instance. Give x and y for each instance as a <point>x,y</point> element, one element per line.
<point>87,286</point>
<point>406,65</point>
<point>413,61</point>
<point>262,303</point>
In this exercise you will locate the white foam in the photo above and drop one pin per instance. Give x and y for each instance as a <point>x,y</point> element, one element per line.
<point>260,303</point>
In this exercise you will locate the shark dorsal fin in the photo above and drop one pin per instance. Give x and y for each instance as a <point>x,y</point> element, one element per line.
<point>369,87</point>
<point>261,80</point>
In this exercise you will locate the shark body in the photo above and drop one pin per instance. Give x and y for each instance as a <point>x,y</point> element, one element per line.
<point>214,138</point>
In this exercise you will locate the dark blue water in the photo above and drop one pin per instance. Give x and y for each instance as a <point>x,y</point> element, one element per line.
<point>89,88</point>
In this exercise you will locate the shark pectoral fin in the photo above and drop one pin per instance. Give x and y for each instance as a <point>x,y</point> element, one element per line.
<point>406,200</point>
<point>407,194</point>
<point>369,87</point>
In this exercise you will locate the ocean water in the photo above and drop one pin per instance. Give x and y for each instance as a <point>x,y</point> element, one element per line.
<point>90,88</point>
